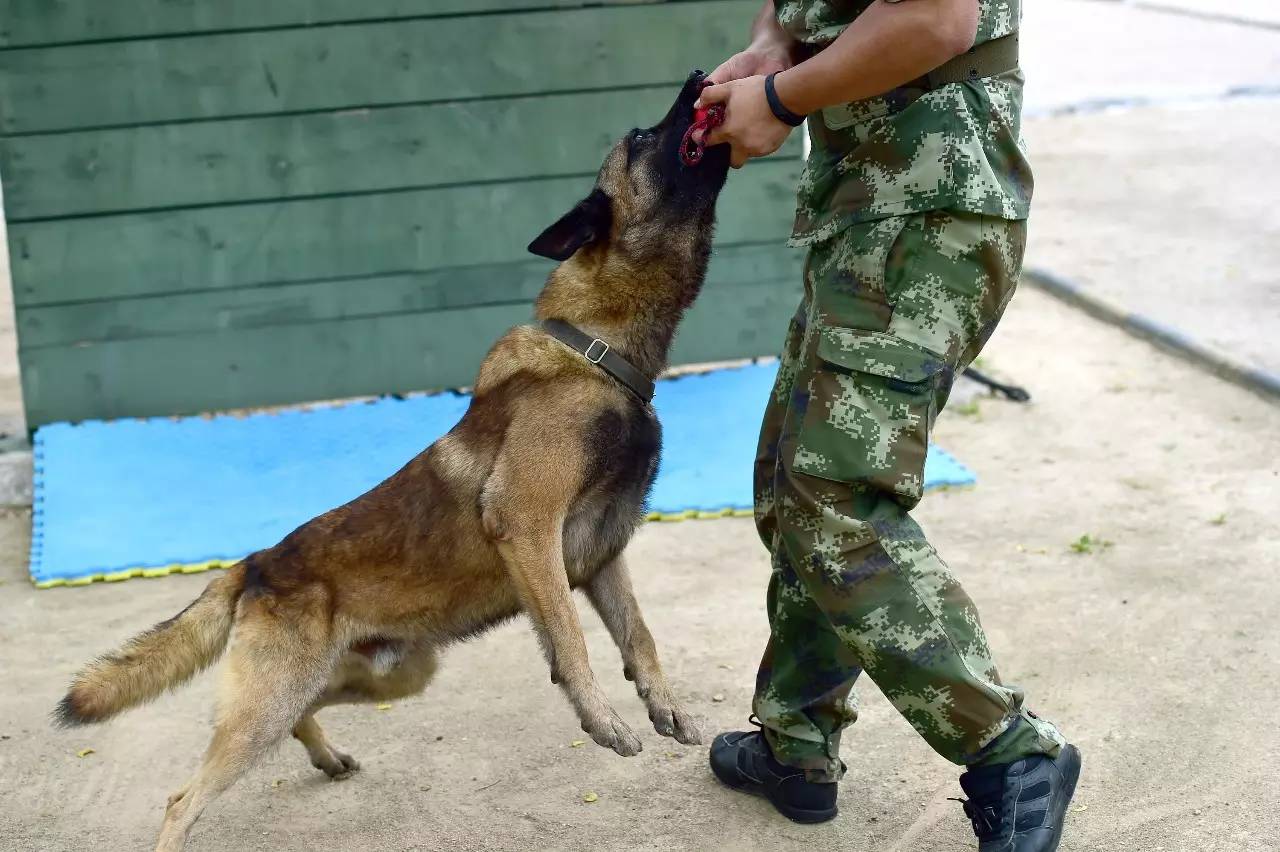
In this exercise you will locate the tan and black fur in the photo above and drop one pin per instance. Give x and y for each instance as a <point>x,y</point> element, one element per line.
<point>535,492</point>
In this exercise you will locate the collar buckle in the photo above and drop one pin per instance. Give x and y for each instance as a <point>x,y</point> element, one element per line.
<point>604,350</point>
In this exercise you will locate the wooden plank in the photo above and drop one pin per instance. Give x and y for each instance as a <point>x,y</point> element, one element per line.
<point>324,301</point>
<point>48,22</point>
<point>738,320</point>
<point>361,65</point>
<point>292,156</point>
<point>401,352</point>
<point>163,375</point>
<point>108,257</point>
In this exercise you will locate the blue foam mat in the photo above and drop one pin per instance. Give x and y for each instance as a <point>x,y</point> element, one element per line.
<point>147,497</point>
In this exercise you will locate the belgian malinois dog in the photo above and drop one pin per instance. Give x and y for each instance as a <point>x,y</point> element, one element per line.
<point>534,493</point>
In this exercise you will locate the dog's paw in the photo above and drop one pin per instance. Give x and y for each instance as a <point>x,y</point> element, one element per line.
<point>337,765</point>
<point>611,732</point>
<point>675,722</point>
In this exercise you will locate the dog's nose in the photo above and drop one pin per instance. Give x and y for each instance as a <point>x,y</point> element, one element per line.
<point>682,108</point>
<point>692,86</point>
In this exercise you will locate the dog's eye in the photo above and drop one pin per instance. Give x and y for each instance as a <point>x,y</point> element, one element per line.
<point>639,135</point>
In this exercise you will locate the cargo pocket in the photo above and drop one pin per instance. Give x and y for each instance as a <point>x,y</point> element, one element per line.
<point>870,408</point>
<point>847,277</point>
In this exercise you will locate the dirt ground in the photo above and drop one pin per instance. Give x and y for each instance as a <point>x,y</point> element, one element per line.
<point>1155,653</point>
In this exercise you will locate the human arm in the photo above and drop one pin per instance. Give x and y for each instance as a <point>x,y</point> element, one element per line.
<point>771,49</point>
<point>886,46</point>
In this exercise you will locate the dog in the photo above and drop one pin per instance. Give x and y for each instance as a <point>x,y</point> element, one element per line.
<point>534,493</point>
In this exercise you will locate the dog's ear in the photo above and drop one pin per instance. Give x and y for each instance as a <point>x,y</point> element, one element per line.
<point>588,221</point>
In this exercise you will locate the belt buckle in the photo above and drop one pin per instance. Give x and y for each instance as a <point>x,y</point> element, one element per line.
<point>603,352</point>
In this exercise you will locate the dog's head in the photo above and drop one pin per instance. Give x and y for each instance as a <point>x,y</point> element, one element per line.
<point>646,201</point>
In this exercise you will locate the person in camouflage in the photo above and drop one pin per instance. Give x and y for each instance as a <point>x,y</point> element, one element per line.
<point>913,206</point>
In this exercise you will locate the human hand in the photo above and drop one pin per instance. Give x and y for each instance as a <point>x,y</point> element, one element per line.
<point>750,127</point>
<point>750,62</point>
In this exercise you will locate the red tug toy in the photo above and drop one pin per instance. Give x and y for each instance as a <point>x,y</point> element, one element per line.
<point>704,119</point>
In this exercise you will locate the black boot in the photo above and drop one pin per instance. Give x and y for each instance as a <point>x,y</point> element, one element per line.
<point>1020,806</point>
<point>743,761</point>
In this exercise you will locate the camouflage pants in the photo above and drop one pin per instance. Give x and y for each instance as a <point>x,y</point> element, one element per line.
<point>893,309</point>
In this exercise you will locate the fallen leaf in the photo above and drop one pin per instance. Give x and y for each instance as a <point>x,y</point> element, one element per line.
<point>277,782</point>
<point>726,666</point>
<point>589,797</point>
<point>384,706</point>
<point>718,697</point>
<point>84,752</point>
<point>1078,808</point>
<point>577,744</point>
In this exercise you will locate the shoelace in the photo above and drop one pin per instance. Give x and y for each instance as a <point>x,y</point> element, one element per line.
<point>691,150</point>
<point>983,814</point>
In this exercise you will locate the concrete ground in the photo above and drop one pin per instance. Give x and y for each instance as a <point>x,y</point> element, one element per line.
<point>1155,652</point>
<point>1081,52</point>
<point>12,423</point>
<point>1257,12</point>
<point>1169,211</point>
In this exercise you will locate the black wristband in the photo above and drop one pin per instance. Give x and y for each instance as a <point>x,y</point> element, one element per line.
<point>780,112</point>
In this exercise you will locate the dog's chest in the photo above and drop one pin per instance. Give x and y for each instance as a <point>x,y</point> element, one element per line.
<point>623,452</point>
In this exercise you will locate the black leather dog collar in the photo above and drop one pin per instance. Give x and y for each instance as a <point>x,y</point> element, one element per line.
<point>598,352</point>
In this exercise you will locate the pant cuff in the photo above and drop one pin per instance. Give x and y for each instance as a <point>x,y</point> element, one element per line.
<point>814,758</point>
<point>1026,735</point>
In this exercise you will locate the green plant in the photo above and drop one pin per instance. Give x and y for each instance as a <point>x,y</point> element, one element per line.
<point>1088,544</point>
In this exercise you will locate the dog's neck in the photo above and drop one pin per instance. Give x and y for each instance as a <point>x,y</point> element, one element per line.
<point>633,305</point>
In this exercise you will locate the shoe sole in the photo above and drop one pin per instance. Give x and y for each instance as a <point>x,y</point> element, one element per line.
<point>1071,774</point>
<point>801,815</point>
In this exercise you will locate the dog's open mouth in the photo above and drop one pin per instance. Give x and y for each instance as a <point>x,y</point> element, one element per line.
<point>691,148</point>
<point>693,143</point>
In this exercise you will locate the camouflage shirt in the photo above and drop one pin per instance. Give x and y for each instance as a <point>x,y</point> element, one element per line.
<point>957,147</point>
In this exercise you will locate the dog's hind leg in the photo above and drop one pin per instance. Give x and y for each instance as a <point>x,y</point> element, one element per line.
<point>612,596</point>
<point>276,669</point>
<point>359,679</point>
<point>324,756</point>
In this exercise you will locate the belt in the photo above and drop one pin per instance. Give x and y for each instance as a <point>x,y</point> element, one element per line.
<point>982,60</point>
<point>598,352</point>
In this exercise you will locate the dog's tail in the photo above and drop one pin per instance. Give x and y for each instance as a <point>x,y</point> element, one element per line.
<point>164,657</point>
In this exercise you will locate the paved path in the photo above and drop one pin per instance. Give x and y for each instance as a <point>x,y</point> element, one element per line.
<point>11,419</point>
<point>1168,210</point>
<point>1261,13</point>
<point>1084,51</point>
<point>1171,212</point>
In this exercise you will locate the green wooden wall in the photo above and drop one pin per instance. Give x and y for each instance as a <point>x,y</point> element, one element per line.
<point>238,203</point>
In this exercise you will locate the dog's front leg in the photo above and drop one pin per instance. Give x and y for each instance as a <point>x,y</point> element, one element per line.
<point>611,594</point>
<point>536,565</point>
